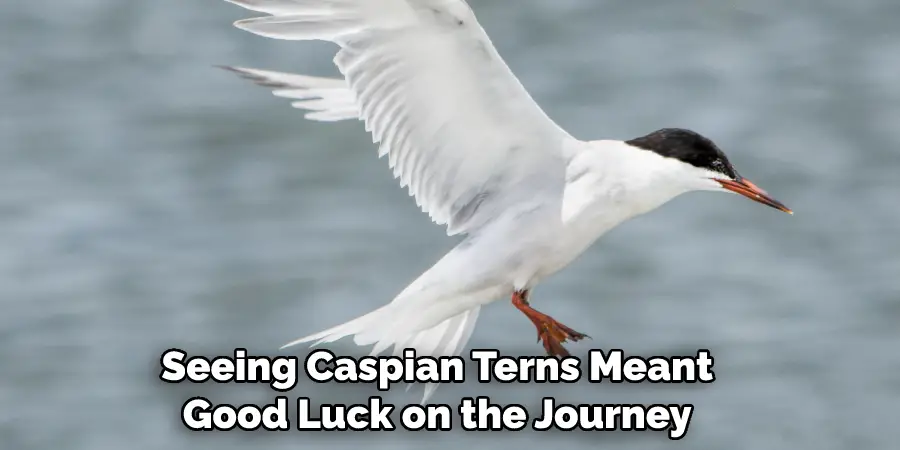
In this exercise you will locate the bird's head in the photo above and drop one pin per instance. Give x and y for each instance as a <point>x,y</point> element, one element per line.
<point>702,166</point>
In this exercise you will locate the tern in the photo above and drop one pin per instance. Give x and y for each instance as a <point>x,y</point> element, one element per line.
<point>480,157</point>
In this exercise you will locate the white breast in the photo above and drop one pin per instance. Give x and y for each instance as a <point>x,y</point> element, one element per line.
<point>607,183</point>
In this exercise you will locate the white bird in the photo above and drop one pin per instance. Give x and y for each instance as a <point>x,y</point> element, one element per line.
<point>479,156</point>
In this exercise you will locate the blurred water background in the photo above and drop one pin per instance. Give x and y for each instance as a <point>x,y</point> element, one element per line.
<point>148,201</point>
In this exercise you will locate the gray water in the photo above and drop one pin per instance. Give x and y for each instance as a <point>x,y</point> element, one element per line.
<point>148,201</point>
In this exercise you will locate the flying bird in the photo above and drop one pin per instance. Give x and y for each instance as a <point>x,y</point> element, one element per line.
<point>480,157</point>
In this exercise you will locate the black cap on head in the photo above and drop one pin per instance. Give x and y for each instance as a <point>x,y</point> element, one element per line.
<point>688,147</point>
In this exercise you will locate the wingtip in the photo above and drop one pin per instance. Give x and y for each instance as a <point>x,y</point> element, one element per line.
<point>255,25</point>
<point>246,73</point>
<point>242,23</point>
<point>252,5</point>
<point>243,72</point>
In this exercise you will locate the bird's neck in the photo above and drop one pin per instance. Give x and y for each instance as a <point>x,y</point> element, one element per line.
<point>609,182</point>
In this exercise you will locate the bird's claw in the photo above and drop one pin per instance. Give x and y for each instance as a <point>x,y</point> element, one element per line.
<point>553,334</point>
<point>549,330</point>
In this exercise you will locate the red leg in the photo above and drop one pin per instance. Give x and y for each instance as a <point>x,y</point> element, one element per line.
<point>550,331</point>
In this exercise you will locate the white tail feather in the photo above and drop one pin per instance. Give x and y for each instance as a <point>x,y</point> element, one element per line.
<point>447,338</point>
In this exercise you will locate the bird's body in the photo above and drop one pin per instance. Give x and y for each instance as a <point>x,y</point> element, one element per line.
<point>479,156</point>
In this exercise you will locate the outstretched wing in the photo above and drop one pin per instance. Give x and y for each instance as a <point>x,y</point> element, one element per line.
<point>458,127</point>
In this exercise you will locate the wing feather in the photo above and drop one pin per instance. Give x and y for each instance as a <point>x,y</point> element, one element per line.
<point>460,131</point>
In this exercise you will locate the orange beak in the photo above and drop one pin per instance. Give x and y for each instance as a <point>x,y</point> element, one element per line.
<point>753,192</point>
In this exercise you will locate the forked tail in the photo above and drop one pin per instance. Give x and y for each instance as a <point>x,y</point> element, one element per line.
<point>384,328</point>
